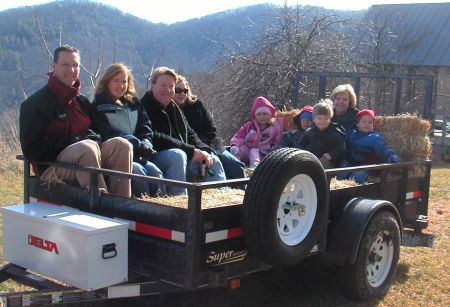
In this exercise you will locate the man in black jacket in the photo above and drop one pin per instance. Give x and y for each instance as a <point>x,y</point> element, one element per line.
<point>171,130</point>
<point>55,125</point>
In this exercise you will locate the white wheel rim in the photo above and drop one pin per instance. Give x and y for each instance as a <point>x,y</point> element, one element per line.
<point>380,259</point>
<point>296,209</point>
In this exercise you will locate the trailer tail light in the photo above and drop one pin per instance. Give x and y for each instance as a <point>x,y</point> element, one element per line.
<point>414,195</point>
<point>225,234</point>
<point>235,283</point>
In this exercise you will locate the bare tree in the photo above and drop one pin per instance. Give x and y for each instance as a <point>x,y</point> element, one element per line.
<point>383,46</point>
<point>94,71</point>
<point>377,38</point>
<point>300,38</point>
<point>47,56</point>
<point>147,74</point>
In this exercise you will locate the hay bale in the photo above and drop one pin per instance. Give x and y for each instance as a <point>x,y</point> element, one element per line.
<point>248,171</point>
<point>405,124</point>
<point>211,198</point>
<point>339,184</point>
<point>409,148</point>
<point>287,117</point>
<point>407,134</point>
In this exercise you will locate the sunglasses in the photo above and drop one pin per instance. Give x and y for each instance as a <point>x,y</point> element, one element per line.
<point>178,90</point>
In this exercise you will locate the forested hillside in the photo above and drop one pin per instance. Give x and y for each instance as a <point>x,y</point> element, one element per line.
<point>92,27</point>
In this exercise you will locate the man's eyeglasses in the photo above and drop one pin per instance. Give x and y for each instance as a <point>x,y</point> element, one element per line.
<point>71,66</point>
<point>179,90</point>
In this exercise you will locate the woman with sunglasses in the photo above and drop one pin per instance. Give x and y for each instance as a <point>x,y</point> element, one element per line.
<point>201,121</point>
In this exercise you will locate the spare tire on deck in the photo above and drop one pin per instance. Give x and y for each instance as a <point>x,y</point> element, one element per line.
<point>285,207</point>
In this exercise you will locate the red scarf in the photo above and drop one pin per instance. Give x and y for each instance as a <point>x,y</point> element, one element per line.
<point>77,120</point>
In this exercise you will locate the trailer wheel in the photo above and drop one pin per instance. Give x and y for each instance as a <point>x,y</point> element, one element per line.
<point>285,207</point>
<point>376,262</point>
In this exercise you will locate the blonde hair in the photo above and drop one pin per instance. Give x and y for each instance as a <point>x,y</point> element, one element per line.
<point>190,98</point>
<point>162,70</point>
<point>112,71</point>
<point>345,88</point>
<point>327,100</point>
<point>322,108</point>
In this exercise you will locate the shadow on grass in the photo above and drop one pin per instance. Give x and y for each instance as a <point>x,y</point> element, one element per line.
<point>413,239</point>
<point>402,273</point>
<point>309,284</point>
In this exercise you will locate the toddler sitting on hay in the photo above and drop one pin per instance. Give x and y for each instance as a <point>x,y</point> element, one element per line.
<point>365,146</point>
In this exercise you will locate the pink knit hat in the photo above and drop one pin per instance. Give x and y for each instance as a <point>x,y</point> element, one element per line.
<point>262,104</point>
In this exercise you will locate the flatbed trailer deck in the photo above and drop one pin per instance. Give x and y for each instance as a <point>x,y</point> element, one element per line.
<point>288,213</point>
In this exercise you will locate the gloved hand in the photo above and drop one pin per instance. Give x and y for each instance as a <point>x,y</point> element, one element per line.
<point>88,135</point>
<point>146,151</point>
<point>139,159</point>
<point>393,159</point>
<point>250,137</point>
<point>91,135</point>
<point>234,150</point>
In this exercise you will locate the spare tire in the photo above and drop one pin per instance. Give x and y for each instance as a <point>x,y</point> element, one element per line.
<point>285,207</point>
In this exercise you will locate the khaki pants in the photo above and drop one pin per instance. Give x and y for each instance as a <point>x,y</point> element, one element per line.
<point>115,154</point>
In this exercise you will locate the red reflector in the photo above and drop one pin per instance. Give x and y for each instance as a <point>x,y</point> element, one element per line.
<point>154,231</point>
<point>234,232</point>
<point>235,283</point>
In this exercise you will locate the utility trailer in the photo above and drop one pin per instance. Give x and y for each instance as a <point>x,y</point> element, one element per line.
<point>288,213</point>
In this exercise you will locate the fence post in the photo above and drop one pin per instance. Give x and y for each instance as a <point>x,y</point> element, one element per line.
<point>428,97</point>
<point>322,86</point>
<point>444,129</point>
<point>357,88</point>
<point>398,95</point>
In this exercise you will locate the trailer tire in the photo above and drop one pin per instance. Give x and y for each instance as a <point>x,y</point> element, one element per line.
<point>285,207</point>
<point>371,275</point>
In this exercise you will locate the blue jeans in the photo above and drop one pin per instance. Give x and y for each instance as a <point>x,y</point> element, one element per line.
<point>359,176</point>
<point>139,187</point>
<point>233,167</point>
<point>172,162</point>
<point>217,173</point>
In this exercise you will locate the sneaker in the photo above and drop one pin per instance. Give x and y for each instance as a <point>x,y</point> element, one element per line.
<point>254,164</point>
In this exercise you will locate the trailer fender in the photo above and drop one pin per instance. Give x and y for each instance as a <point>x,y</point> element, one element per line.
<point>349,227</point>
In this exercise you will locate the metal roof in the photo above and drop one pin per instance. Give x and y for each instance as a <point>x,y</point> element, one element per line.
<point>420,33</point>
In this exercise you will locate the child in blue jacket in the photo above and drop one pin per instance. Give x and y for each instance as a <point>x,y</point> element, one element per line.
<point>365,146</point>
<point>302,121</point>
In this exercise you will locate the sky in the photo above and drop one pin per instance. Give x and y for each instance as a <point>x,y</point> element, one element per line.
<point>170,11</point>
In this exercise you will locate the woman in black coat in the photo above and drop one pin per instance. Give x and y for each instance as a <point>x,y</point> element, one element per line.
<point>201,121</point>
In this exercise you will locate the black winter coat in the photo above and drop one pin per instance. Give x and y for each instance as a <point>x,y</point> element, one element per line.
<point>202,122</point>
<point>330,140</point>
<point>170,127</point>
<point>290,139</point>
<point>36,114</point>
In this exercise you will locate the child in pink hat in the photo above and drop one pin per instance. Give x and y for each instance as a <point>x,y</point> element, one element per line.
<point>257,137</point>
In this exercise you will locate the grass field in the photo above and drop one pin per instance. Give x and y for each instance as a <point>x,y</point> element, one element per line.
<point>423,276</point>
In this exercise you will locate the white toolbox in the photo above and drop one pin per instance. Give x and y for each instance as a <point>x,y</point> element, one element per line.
<point>81,249</point>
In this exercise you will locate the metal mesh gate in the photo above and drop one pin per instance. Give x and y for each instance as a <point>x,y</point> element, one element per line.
<point>386,93</point>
